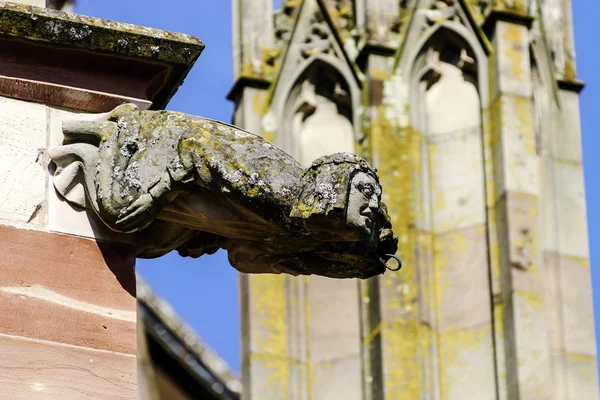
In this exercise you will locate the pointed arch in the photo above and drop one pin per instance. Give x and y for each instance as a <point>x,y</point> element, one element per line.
<point>331,71</point>
<point>459,34</point>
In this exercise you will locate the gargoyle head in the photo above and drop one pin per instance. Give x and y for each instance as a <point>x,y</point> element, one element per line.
<point>341,202</point>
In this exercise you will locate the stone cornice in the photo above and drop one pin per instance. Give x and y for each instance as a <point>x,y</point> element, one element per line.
<point>243,82</point>
<point>571,85</point>
<point>515,17</point>
<point>100,58</point>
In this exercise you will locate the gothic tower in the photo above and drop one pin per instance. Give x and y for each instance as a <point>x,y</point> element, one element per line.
<point>470,111</point>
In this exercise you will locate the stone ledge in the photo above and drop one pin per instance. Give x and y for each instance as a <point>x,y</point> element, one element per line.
<point>508,16</point>
<point>373,48</point>
<point>124,60</point>
<point>571,85</point>
<point>243,82</point>
<point>73,30</point>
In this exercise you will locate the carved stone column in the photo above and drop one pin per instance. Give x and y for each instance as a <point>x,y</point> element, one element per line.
<point>67,283</point>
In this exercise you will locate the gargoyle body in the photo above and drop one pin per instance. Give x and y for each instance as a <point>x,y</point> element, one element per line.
<point>197,185</point>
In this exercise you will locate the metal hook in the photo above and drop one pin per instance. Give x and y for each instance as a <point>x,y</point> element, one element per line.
<point>395,258</point>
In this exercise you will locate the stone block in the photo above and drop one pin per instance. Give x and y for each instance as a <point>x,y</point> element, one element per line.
<point>22,170</point>
<point>578,306</point>
<point>333,318</point>
<point>558,384</point>
<point>582,377</point>
<point>518,242</point>
<point>462,271</point>
<point>553,304</point>
<point>37,3</point>
<point>548,212</point>
<point>514,69</point>
<point>571,210</point>
<point>333,335</point>
<point>34,369</point>
<point>530,346</point>
<point>265,346</point>
<point>457,182</point>
<point>467,364</point>
<point>67,289</point>
<point>336,379</point>
<point>567,138</point>
<point>517,160</point>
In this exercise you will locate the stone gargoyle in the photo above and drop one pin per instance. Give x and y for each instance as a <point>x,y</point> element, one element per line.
<point>197,185</point>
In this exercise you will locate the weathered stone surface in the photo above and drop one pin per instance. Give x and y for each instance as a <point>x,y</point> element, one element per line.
<point>567,142</point>
<point>463,216</point>
<point>462,273</point>
<point>66,289</point>
<point>87,63</point>
<point>46,25</point>
<point>582,377</point>
<point>61,216</point>
<point>37,3</point>
<point>572,215</point>
<point>245,194</point>
<point>68,322</point>
<point>333,335</point>
<point>513,64</point>
<point>36,369</point>
<point>22,141</point>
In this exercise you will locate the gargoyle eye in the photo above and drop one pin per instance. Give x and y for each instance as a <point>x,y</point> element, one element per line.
<point>367,189</point>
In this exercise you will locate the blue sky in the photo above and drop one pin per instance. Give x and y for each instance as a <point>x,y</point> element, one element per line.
<point>204,291</point>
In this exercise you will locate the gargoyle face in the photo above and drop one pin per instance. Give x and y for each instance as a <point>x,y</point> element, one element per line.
<point>363,204</point>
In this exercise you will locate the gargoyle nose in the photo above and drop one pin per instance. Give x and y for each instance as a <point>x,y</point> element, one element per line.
<point>374,204</point>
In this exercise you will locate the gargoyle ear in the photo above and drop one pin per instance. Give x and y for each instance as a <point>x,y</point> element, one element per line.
<point>69,177</point>
<point>68,181</point>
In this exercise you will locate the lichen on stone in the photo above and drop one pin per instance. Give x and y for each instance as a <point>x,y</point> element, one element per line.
<point>57,27</point>
<point>256,198</point>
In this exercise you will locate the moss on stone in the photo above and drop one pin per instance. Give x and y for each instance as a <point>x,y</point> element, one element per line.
<point>73,30</point>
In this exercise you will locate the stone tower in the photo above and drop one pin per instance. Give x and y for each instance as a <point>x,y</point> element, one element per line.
<point>470,111</point>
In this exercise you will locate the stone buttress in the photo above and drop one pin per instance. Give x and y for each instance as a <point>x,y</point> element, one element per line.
<point>469,109</point>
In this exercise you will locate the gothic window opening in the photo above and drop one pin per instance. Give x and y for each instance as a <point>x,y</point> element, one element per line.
<point>319,111</point>
<point>447,112</point>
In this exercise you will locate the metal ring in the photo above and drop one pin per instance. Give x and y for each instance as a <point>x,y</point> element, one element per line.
<point>395,258</point>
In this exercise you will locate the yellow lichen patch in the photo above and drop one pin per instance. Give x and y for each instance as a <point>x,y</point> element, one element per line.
<point>513,44</point>
<point>516,6</point>
<point>474,7</point>
<point>523,110</point>
<point>269,135</point>
<point>582,261</point>
<point>269,60</point>
<point>406,355</point>
<point>583,365</point>
<point>247,69</point>
<point>405,341</point>
<point>380,74</point>
<point>492,131</point>
<point>570,73</point>
<point>260,102</point>
<point>533,300</point>
<point>494,250</point>
<point>270,335</point>
<point>457,351</point>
